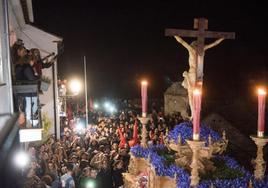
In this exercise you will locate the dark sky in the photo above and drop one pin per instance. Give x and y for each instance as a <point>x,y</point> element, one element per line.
<point>124,41</point>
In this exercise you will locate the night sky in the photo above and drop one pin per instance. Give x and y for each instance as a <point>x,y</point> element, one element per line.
<point>124,41</point>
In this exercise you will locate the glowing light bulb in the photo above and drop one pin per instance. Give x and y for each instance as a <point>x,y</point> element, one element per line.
<point>21,159</point>
<point>261,91</point>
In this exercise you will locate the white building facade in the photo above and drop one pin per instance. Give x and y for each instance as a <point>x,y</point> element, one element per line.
<point>20,15</point>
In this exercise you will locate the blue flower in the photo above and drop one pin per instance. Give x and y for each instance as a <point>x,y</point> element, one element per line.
<point>138,151</point>
<point>186,131</point>
<point>183,177</point>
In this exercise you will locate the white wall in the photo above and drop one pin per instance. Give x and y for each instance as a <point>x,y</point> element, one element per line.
<point>6,102</point>
<point>33,38</point>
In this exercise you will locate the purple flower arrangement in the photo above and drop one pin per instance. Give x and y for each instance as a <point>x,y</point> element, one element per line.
<point>236,182</point>
<point>183,176</point>
<point>158,163</point>
<point>139,151</point>
<point>186,131</point>
<point>260,183</point>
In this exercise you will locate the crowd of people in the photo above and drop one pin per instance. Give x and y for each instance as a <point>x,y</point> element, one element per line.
<point>94,156</point>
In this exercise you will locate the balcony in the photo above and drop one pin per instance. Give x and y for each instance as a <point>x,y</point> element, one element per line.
<point>26,100</point>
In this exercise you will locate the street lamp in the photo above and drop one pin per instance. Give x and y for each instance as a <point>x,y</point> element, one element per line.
<point>75,86</point>
<point>96,106</point>
<point>107,105</point>
<point>111,109</point>
<point>21,159</point>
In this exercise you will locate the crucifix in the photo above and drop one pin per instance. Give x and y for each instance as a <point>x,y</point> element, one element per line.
<point>196,50</point>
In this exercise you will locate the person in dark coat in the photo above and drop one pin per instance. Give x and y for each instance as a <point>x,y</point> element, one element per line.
<point>104,177</point>
<point>117,174</point>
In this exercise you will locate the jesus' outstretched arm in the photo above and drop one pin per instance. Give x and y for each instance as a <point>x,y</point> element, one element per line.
<point>215,43</point>
<point>185,44</point>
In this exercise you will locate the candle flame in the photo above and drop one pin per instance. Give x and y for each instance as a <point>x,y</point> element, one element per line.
<point>144,82</point>
<point>197,92</point>
<point>261,91</point>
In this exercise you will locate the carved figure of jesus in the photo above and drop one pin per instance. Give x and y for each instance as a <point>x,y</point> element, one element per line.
<point>189,81</point>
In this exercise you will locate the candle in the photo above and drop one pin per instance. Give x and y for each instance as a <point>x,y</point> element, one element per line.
<point>196,113</point>
<point>144,97</point>
<point>261,111</point>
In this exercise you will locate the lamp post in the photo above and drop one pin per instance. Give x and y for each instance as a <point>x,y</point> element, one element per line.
<point>85,82</point>
<point>75,88</point>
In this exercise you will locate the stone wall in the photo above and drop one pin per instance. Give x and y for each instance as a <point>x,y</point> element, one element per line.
<point>176,100</point>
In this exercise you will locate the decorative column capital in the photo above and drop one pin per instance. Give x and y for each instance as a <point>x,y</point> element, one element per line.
<point>144,121</point>
<point>195,146</point>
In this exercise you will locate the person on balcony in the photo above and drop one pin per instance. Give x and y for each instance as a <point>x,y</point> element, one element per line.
<point>40,63</point>
<point>24,71</point>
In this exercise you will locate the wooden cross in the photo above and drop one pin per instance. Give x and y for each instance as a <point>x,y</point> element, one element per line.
<point>201,24</point>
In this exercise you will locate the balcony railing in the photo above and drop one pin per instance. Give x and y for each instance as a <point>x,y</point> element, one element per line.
<point>26,100</point>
